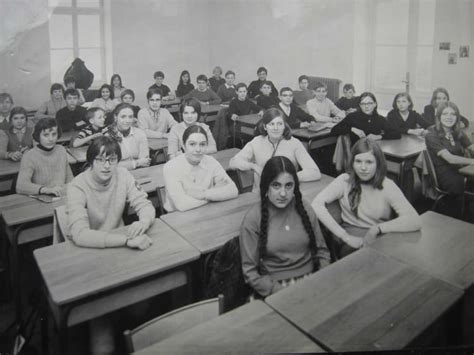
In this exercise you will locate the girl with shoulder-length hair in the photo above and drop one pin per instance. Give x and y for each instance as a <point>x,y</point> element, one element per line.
<point>274,139</point>
<point>280,237</point>
<point>367,198</point>
<point>184,86</point>
<point>404,118</point>
<point>440,96</point>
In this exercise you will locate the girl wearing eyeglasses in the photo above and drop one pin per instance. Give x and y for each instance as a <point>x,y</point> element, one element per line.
<point>366,122</point>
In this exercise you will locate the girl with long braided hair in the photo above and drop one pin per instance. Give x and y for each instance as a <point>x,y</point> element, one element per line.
<point>367,199</point>
<point>280,238</point>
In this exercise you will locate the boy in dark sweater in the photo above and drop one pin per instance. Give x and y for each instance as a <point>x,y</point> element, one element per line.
<point>254,87</point>
<point>265,99</point>
<point>348,103</point>
<point>72,117</point>
<point>159,76</point>
<point>227,90</point>
<point>241,105</point>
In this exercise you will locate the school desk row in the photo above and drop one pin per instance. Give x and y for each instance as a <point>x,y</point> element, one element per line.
<point>391,295</point>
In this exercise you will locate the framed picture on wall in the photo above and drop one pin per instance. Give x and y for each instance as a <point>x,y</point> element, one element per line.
<point>452,58</point>
<point>444,46</point>
<point>463,51</point>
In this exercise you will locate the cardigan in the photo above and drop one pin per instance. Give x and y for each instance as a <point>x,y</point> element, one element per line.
<point>375,207</point>
<point>155,124</point>
<point>296,116</point>
<point>215,83</point>
<point>207,96</point>
<point>226,93</point>
<point>71,120</point>
<point>95,209</point>
<point>165,90</point>
<point>322,110</point>
<point>267,101</point>
<point>254,88</point>
<point>183,89</point>
<point>208,175</point>
<point>413,121</point>
<point>175,139</point>
<point>43,168</point>
<point>15,142</point>
<point>370,124</point>
<point>288,252</point>
<point>259,150</point>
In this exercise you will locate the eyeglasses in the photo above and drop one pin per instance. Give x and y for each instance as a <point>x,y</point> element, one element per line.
<point>367,103</point>
<point>112,160</point>
<point>287,95</point>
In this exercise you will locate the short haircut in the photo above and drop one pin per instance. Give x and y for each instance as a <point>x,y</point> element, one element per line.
<point>4,96</point>
<point>90,114</point>
<point>265,82</point>
<point>18,110</point>
<point>228,72</point>
<point>106,86</point>
<point>303,77</point>
<point>268,116</point>
<point>56,86</point>
<point>159,74</point>
<point>103,146</point>
<point>154,91</point>
<point>348,87</point>
<point>402,94</point>
<point>240,85</point>
<point>201,77</point>
<point>71,92</point>
<point>127,92</point>
<point>69,79</point>
<point>319,85</point>
<point>44,124</point>
<point>262,69</point>
<point>192,102</point>
<point>286,88</point>
<point>193,129</point>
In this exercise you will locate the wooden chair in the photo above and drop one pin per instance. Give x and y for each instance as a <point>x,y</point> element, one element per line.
<point>245,180</point>
<point>60,225</point>
<point>161,194</point>
<point>172,323</point>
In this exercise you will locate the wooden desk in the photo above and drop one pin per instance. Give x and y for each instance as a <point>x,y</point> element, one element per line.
<point>168,103</point>
<point>210,226</point>
<point>85,283</point>
<point>313,140</point>
<point>468,170</point>
<point>66,137</point>
<point>444,248</point>
<point>251,329</point>
<point>157,143</point>
<point>366,301</point>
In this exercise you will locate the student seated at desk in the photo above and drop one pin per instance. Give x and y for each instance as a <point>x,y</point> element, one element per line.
<point>446,143</point>
<point>264,99</point>
<point>194,178</point>
<point>321,108</point>
<point>227,90</point>
<point>205,95</point>
<point>167,94</point>
<point>106,101</point>
<point>366,123</point>
<point>280,238</point>
<point>274,139</point>
<point>184,86</point>
<point>128,96</point>
<point>241,105</point>
<point>440,96</point>
<point>348,102</point>
<point>215,81</point>
<point>70,83</point>
<point>133,142</point>
<point>49,108</point>
<point>6,104</point>
<point>72,117</point>
<point>44,169</point>
<point>96,128</point>
<point>154,120</point>
<point>304,94</point>
<point>367,199</point>
<point>404,118</point>
<point>190,110</point>
<point>116,84</point>
<point>254,87</point>
<point>294,115</point>
<point>15,141</point>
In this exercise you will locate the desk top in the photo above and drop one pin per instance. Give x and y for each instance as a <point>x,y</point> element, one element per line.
<point>157,143</point>
<point>210,226</point>
<point>366,301</point>
<point>467,170</point>
<point>306,134</point>
<point>205,109</point>
<point>406,147</point>
<point>72,272</point>
<point>168,103</point>
<point>250,329</point>
<point>9,167</point>
<point>444,248</point>
<point>248,120</point>
<point>66,137</point>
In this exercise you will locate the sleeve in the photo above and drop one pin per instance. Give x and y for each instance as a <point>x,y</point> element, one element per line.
<point>173,142</point>
<point>343,127</point>
<point>420,121</point>
<point>24,185</point>
<point>309,170</point>
<point>254,107</point>
<point>390,131</point>
<point>243,160</point>
<point>407,219</point>
<point>232,108</point>
<point>223,186</point>
<point>69,174</point>
<point>465,141</point>
<point>78,223</point>
<point>334,191</point>
<point>143,151</point>
<point>138,200</point>
<point>301,114</point>
<point>339,103</point>
<point>214,99</point>
<point>3,145</point>
<point>312,110</point>
<point>335,110</point>
<point>252,90</point>
<point>249,233</point>
<point>170,119</point>
<point>211,142</point>
<point>220,92</point>
<point>175,191</point>
<point>433,143</point>
<point>322,253</point>
<point>395,122</point>
<point>142,120</point>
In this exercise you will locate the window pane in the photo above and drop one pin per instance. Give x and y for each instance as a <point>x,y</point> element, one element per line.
<point>392,21</point>
<point>423,68</point>
<point>88,3</point>
<point>390,67</point>
<point>89,30</point>
<point>93,61</point>
<point>54,3</point>
<point>61,59</point>
<point>60,31</point>
<point>426,22</point>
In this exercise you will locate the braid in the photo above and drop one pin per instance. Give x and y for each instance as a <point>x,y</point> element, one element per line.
<point>308,227</point>
<point>354,195</point>
<point>263,236</point>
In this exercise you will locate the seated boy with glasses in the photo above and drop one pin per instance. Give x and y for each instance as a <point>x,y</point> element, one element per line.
<point>294,115</point>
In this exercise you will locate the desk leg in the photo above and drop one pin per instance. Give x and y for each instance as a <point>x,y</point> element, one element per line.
<point>63,330</point>
<point>13,237</point>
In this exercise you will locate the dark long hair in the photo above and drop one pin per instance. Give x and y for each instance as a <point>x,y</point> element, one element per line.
<point>457,130</point>
<point>181,78</point>
<point>365,145</point>
<point>435,93</point>
<point>272,169</point>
